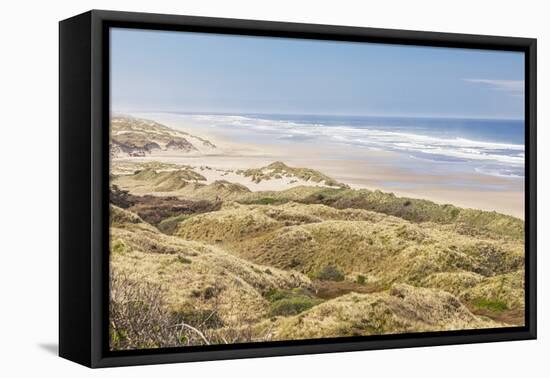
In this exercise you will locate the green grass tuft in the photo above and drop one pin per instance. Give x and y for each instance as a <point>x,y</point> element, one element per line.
<point>292,306</point>
<point>491,305</point>
<point>168,226</point>
<point>118,246</point>
<point>266,201</point>
<point>329,273</point>
<point>290,302</point>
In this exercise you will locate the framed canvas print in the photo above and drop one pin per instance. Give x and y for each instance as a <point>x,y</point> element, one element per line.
<point>234,188</point>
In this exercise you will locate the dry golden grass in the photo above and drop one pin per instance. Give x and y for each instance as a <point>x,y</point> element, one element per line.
<point>470,222</point>
<point>384,248</point>
<point>207,285</point>
<point>129,167</point>
<point>402,309</point>
<point>187,184</point>
<point>501,292</point>
<point>184,183</point>
<point>452,282</point>
<point>185,270</point>
<point>398,265</point>
<point>279,169</point>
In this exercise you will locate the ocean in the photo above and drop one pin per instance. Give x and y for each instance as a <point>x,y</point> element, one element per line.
<point>492,147</point>
<point>485,146</point>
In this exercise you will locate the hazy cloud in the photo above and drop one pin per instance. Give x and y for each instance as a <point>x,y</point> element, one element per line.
<point>513,87</point>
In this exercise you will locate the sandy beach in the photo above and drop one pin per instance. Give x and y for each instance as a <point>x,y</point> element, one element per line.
<point>356,167</point>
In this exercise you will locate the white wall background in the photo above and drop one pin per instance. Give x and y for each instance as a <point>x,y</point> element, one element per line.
<point>29,186</point>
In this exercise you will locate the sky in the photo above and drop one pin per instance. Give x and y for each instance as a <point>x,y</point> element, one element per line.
<point>212,73</point>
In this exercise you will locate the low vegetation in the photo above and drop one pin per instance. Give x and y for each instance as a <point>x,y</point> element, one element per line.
<point>197,263</point>
<point>157,210</point>
<point>277,170</point>
<point>310,238</point>
<point>291,302</point>
<point>401,309</point>
<point>328,273</point>
<point>139,137</point>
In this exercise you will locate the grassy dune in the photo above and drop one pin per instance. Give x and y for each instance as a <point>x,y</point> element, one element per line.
<point>184,182</point>
<point>194,280</point>
<point>139,137</point>
<point>195,263</point>
<point>402,309</point>
<point>310,237</point>
<point>277,170</point>
<point>466,221</point>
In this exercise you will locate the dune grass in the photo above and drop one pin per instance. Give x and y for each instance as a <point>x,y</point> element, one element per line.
<point>307,262</point>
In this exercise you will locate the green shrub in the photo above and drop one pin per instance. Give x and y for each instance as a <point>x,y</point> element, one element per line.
<point>290,302</point>
<point>360,279</point>
<point>329,273</point>
<point>266,201</point>
<point>274,295</point>
<point>292,306</point>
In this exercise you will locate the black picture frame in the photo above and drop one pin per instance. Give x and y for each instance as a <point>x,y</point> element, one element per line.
<point>84,176</point>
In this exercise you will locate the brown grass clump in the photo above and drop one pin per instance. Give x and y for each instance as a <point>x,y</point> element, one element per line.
<point>155,210</point>
<point>138,318</point>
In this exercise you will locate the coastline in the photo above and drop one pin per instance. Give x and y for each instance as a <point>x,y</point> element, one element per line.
<point>358,168</point>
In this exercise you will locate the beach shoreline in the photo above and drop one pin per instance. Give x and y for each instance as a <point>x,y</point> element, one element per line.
<point>359,168</point>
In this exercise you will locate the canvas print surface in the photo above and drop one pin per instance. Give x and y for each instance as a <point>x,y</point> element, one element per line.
<point>271,189</point>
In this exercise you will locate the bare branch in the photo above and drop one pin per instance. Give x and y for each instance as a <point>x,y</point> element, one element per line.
<point>194,330</point>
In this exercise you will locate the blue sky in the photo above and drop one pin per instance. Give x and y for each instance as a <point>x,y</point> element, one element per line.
<point>192,72</point>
